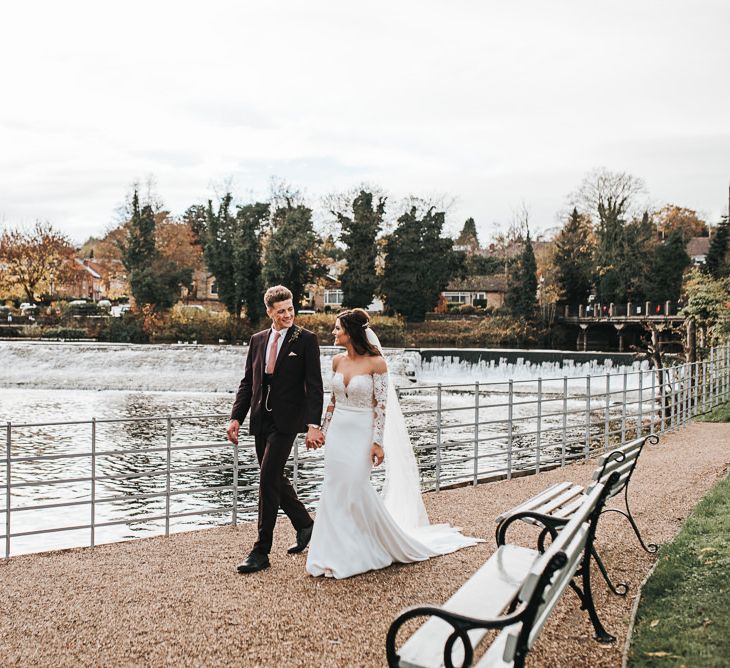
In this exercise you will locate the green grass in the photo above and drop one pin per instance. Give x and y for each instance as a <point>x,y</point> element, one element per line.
<point>683,617</point>
<point>720,414</point>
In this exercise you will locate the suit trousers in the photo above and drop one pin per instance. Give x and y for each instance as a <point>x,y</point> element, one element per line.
<point>272,450</point>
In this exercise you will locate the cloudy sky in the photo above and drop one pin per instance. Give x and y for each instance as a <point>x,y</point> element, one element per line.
<point>496,104</point>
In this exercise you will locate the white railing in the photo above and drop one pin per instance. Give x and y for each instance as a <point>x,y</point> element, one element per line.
<point>469,433</point>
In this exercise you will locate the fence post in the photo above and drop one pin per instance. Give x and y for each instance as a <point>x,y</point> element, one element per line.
<point>538,440</point>
<point>438,437</point>
<point>640,418</point>
<point>7,488</point>
<point>510,413</point>
<point>167,475</point>
<point>234,519</point>
<point>93,481</point>
<point>476,431</point>
<point>565,421</point>
<point>606,426</point>
<point>704,386</point>
<point>663,399</point>
<point>587,446</point>
<point>652,421</point>
<point>712,378</point>
<point>623,407</point>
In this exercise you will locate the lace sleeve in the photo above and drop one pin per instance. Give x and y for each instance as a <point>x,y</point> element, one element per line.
<point>380,399</point>
<point>328,414</point>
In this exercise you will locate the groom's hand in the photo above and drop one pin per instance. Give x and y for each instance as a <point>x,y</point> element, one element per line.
<point>314,438</point>
<point>232,431</point>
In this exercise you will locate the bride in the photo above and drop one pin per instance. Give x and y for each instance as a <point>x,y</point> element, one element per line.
<point>355,530</point>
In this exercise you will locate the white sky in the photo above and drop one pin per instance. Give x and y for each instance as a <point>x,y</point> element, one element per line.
<point>494,103</point>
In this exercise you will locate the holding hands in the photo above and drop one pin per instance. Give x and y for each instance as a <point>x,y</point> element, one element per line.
<point>315,438</point>
<point>376,455</point>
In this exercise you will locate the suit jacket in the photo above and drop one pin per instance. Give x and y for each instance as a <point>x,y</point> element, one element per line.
<point>296,395</point>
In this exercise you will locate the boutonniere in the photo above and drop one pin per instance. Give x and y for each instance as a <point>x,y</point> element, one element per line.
<point>295,334</point>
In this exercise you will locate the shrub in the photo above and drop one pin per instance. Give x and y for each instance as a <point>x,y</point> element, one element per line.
<point>85,309</point>
<point>69,333</point>
<point>127,329</point>
<point>183,323</point>
<point>390,330</point>
<point>485,332</point>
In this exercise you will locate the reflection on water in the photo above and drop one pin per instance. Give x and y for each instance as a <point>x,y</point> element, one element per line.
<point>132,457</point>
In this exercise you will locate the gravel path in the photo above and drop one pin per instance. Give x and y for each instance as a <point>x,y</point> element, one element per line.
<point>179,600</point>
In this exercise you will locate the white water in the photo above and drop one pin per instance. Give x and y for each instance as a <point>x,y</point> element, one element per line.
<point>218,369</point>
<point>44,382</point>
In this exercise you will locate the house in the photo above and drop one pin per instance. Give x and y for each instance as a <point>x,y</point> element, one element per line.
<point>697,249</point>
<point>87,280</point>
<point>477,290</point>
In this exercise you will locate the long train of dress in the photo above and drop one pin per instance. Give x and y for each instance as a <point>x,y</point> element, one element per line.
<point>353,531</point>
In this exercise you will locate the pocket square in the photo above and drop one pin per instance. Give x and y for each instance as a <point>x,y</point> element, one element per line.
<point>292,354</point>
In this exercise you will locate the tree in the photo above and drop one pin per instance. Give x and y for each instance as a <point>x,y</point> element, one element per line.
<point>610,199</point>
<point>717,257</point>
<point>603,194</point>
<point>574,250</point>
<point>482,265</point>
<point>521,297</point>
<point>232,251</point>
<point>154,279</point>
<point>251,220</point>
<point>707,302</point>
<point>669,260</point>
<point>291,256</point>
<point>672,217</point>
<point>418,265</point>
<point>36,261</point>
<point>467,239</point>
<point>359,280</point>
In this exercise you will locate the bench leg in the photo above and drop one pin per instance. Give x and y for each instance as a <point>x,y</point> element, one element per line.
<point>586,598</point>
<point>621,589</point>
<point>651,548</point>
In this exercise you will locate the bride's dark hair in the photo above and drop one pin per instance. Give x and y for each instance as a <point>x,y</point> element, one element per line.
<point>355,323</point>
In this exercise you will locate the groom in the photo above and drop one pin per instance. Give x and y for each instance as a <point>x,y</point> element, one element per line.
<point>282,386</point>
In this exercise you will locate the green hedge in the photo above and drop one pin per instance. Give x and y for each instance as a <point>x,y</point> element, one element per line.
<point>64,333</point>
<point>391,331</point>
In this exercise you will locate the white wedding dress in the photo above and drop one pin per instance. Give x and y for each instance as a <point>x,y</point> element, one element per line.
<point>354,531</point>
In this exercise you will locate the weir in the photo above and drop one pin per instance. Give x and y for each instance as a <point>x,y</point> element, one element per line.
<point>112,465</point>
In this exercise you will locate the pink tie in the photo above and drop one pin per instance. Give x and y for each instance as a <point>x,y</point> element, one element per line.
<point>272,353</point>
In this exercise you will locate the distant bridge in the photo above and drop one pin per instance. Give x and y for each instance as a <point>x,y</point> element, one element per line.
<point>625,323</point>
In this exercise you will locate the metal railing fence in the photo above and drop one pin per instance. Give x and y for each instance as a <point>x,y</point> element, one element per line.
<point>468,432</point>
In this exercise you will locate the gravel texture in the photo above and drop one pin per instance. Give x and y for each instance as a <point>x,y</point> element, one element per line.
<point>179,600</point>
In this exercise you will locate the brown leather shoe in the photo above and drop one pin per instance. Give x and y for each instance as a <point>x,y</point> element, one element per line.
<point>256,561</point>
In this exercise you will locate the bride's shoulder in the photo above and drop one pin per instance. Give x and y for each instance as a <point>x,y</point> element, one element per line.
<point>336,360</point>
<point>378,364</point>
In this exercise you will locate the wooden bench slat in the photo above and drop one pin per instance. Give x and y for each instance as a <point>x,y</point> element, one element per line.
<point>558,502</point>
<point>629,448</point>
<point>568,509</point>
<point>485,594</point>
<point>545,495</point>
<point>618,467</point>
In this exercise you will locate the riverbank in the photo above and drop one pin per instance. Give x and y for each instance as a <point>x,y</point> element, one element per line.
<point>178,600</point>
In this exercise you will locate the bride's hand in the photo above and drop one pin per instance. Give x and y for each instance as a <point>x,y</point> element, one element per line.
<point>376,455</point>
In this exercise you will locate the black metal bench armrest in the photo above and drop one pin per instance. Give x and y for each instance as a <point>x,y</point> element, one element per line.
<point>461,624</point>
<point>549,522</point>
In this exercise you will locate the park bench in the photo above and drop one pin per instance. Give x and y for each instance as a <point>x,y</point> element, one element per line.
<point>560,501</point>
<point>514,592</point>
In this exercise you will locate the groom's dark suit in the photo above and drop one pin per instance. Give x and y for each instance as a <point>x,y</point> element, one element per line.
<point>281,404</point>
